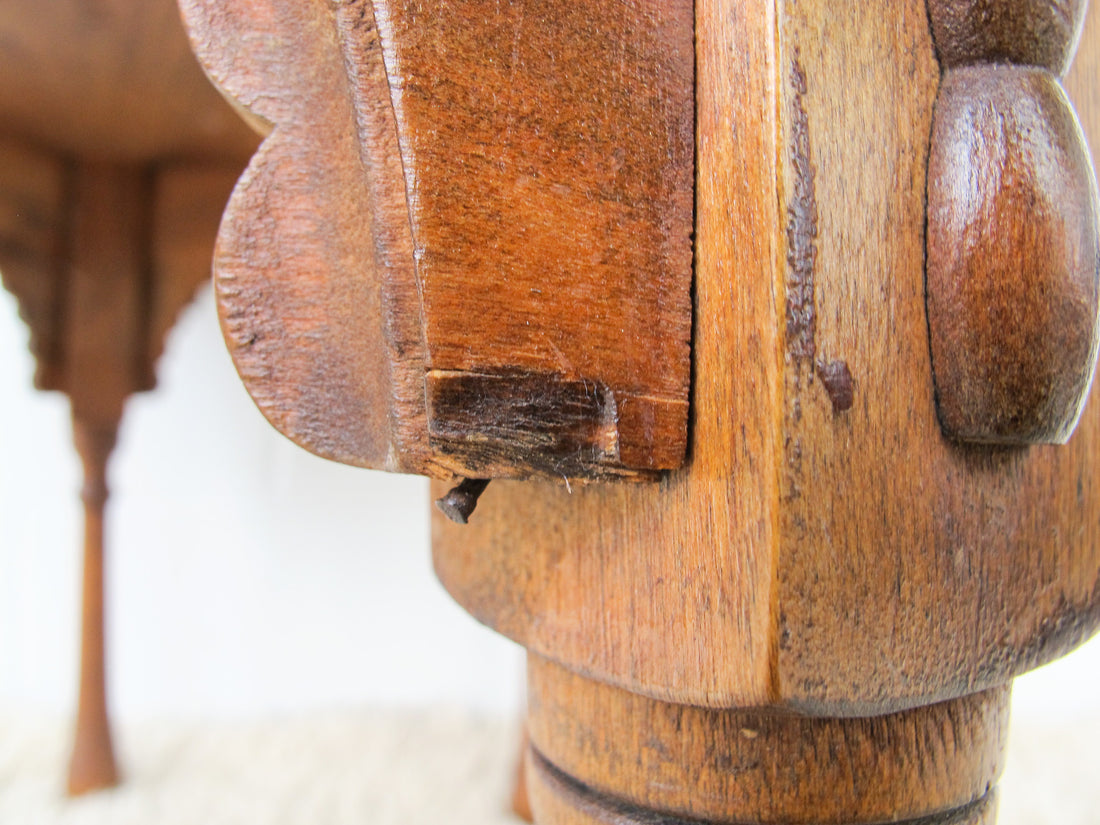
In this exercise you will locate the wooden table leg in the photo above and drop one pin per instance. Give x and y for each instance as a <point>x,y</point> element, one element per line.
<point>92,765</point>
<point>102,257</point>
<point>825,604</point>
<point>116,160</point>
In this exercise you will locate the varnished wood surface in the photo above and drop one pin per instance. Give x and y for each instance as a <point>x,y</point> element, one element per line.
<point>826,550</point>
<point>744,765</point>
<point>661,585</point>
<point>801,532</point>
<point>465,247</point>
<point>1013,257</point>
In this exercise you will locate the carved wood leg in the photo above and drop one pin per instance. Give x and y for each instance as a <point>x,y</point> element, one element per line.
<point>102,256</point>
<point>92,765</point>
<point>105,234</point>
<point>600,754</point>
<point>106,287</point>
<point>828,546</point>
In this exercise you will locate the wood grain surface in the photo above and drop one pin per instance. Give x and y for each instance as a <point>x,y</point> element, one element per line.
<point>1013,257</point>
<point>557,799</point>
<point>752,766</point>
<point>465,249</point>
<point>836,561</point>
<point>664,587</point>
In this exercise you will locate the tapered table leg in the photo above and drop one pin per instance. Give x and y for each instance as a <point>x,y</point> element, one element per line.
<point>92,765</point>
<point>102,257</point>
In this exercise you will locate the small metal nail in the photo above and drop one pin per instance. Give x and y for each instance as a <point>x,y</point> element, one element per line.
<point>458,505</point>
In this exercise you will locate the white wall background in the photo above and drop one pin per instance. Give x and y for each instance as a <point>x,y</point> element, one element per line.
<point>247,577</point>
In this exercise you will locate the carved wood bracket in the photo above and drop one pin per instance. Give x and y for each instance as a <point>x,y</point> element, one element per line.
<point>465,247</point>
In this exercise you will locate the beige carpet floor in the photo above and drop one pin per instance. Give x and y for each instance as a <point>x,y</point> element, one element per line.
<point>394,768</point>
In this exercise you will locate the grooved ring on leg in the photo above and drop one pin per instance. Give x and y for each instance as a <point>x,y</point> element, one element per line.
<point>763,765</point>
<point>558,799</point>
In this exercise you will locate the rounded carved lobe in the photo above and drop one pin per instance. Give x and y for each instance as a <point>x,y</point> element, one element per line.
<point>452,256</point>
<point>1013,253</point>
<point>1026,32</point>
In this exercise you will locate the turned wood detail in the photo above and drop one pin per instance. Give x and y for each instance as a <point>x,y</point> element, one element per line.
<point>1013,240</point>
<point>729,765</point>
<point>465,247</point>
<point>559,799</point>
<point>92,764</point>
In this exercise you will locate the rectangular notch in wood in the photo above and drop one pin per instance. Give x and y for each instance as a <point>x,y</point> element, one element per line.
<point>551,207</point>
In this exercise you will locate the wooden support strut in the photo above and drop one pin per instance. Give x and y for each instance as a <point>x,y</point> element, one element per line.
<point>92,765</point>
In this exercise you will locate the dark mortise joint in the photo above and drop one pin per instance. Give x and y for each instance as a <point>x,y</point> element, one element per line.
<point>459,503</point>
